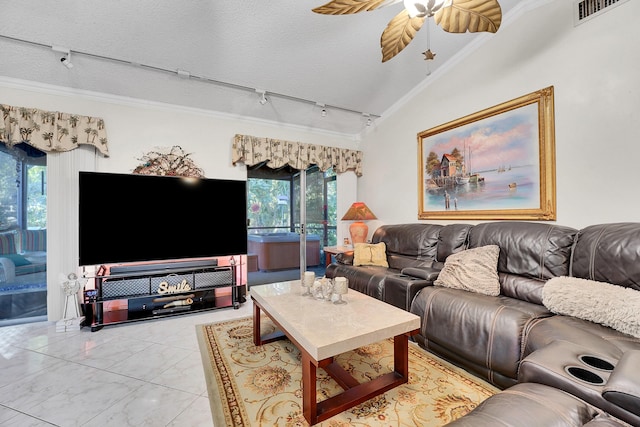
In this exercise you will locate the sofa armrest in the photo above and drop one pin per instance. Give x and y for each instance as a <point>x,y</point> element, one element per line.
<point>400,289</point>
<point>623,386</point>
<point>7,270</point>
<point>345,258</point>
<point>426,273</point>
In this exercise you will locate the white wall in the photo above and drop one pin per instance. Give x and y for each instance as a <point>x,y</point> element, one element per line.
<point>134,128</point>
<point>594,70</point>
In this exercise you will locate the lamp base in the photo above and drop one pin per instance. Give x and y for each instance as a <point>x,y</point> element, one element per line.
<point>358,231</point>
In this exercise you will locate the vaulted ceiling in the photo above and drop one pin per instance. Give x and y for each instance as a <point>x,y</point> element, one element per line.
<point>214,54</point>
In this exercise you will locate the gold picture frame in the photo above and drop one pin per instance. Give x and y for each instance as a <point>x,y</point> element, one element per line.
<point>498,163</point>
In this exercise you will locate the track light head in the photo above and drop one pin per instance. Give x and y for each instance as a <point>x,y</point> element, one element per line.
<point>323,110</point>
<point>263,99</point>
<point>66,62</point>
<point>66,59</point>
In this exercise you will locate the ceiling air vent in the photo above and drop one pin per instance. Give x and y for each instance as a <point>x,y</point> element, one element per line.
<point>587,9</point>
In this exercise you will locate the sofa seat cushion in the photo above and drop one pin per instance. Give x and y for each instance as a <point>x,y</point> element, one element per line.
<point>17,259</point>
<point>366,279</point>
<point>482,333</point>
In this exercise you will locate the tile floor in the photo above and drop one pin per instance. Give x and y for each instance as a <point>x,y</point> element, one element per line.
<point>146,373</point>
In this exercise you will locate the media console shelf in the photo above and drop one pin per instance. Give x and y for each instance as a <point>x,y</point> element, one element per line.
<point>139,294</point>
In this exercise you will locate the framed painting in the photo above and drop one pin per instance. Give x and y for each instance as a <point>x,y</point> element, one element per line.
<point>498,163</point>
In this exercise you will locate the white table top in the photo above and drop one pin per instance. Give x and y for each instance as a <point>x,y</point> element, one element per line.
<point>325,329</point>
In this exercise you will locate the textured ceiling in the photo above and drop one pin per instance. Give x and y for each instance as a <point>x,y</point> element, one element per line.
<point>135,48</point>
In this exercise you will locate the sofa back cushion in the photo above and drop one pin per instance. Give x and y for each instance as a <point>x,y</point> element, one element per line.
<point>34,240</point>
<point>8,243</point>
<point>608,253</point>
<point>408,242</point>
<point>530,254</point>
<point>453,238</point>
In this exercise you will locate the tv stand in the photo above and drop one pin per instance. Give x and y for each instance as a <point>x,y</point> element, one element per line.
<point>156,290</point>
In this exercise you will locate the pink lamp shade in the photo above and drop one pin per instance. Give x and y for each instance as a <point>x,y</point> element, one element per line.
<point>358,212</point>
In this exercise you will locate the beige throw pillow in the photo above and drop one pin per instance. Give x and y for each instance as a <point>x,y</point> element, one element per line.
<point>610,305</point>
<point>370,254</point>
<point>474,270</point>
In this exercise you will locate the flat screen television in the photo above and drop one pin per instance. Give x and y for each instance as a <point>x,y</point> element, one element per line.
<point>126,218</point>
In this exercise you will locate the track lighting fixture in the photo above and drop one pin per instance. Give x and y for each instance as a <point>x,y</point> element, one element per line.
<point>323,111</point>
<point>263,98</point>
<point>66,59</point>
<point>368,116</point>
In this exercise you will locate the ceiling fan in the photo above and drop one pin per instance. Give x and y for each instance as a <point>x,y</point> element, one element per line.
<point>454,16</point>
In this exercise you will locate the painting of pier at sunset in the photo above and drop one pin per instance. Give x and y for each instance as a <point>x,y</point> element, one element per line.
<point>492,166</point>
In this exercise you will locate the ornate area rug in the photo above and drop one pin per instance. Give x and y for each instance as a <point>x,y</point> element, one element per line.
<point>262,386</point>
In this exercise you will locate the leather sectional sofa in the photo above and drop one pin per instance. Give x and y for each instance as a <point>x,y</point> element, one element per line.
<point>555,367</point>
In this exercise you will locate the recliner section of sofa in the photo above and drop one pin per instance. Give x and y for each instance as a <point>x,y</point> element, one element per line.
<point>419,246</point>
<point>513,340</point>
<point>486,334</point>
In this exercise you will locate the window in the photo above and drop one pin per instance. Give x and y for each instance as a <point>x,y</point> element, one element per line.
<point>23,223</point>
<point>23,190</point>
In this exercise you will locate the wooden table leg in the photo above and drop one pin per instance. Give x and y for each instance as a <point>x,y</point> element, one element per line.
<point>354,392</point>
<point>401,355</point>
<point>256,325</point>
<point>258,339</point>
<point>309,404</point>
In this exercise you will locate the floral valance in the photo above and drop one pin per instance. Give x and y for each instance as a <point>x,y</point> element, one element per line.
<point>51,131</point>
<point>252,150</point>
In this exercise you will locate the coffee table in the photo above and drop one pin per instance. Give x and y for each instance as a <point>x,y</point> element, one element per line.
<point>322,330</point>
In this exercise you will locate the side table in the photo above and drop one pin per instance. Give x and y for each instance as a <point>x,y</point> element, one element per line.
<point>335,250</point>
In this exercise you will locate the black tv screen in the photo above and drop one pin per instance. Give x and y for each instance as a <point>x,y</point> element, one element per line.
<point>127,218</point>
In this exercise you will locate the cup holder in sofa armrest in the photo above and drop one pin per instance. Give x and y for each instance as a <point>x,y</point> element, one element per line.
<point>584,375</point>
<point>596,362</point>
<point>426,273</point>
<point>623,387</point>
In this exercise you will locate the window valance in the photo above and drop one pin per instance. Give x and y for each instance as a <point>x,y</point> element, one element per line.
<point>251,150</point>
<point>51,131</point>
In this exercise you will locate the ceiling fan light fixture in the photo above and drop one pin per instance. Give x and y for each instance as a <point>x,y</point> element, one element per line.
<point>424,8</point>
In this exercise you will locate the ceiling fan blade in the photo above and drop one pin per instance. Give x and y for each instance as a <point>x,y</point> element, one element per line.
<point>398,34</point>
<point>346,7</point>
<point>470,15</point>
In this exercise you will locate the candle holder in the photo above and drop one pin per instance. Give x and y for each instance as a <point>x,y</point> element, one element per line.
<point>307,282</point>
<point>317,289</point>
<point>340,287</point>
<point>327,288</point>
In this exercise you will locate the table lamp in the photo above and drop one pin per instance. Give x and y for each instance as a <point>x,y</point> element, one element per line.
<point>358,212</point>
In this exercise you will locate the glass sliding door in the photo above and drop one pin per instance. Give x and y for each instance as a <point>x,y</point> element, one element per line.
<point>321,221</point>
<point>283,232</point>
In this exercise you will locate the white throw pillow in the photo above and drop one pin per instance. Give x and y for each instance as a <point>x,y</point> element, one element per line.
<point>474,270</point>
<point>610,305</point>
